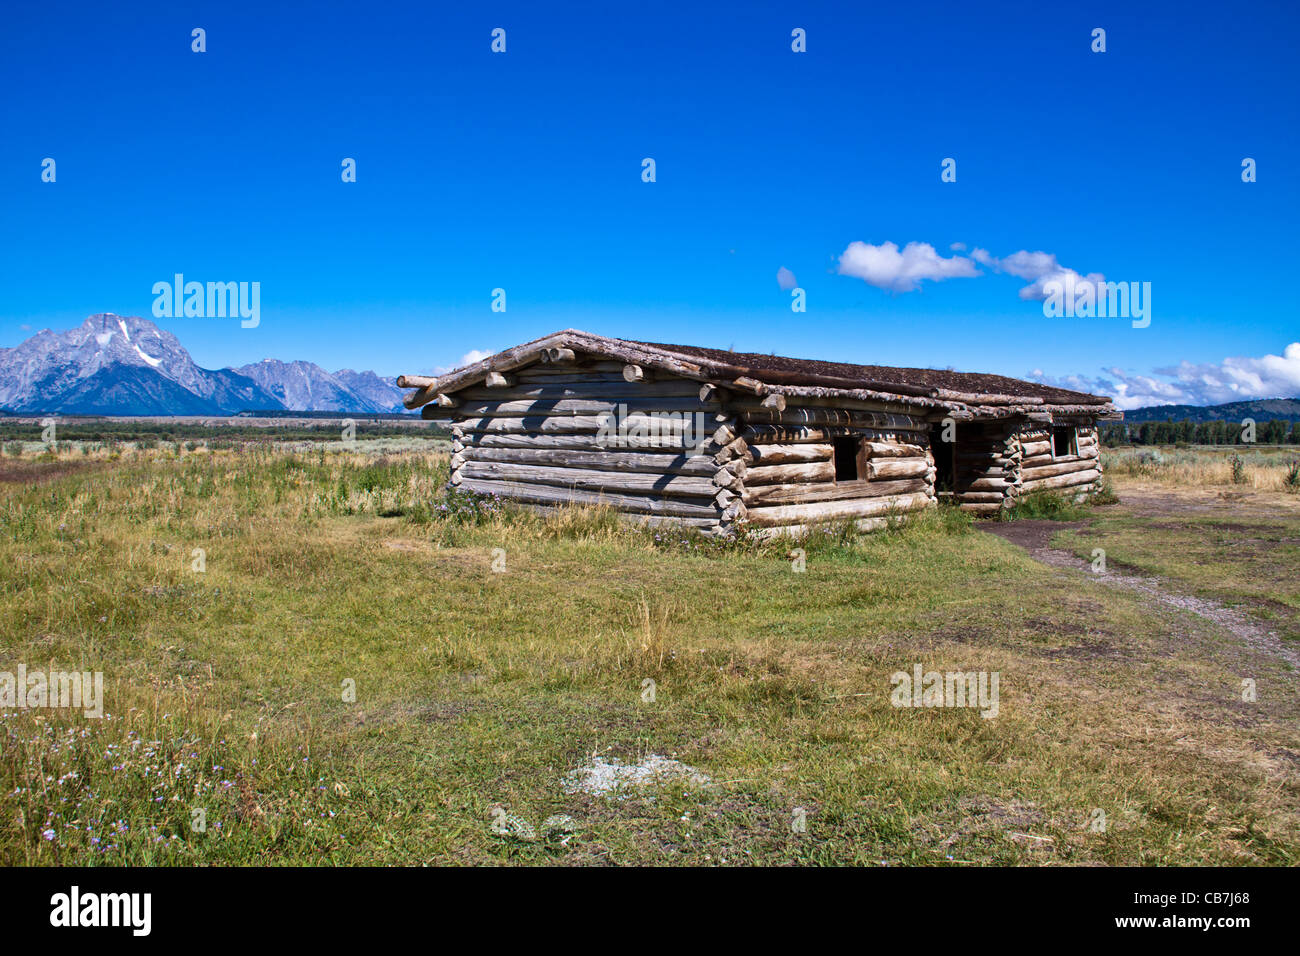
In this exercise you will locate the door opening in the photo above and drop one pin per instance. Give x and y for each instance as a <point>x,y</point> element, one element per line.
<point>945,461</point>
<point>847,451</point>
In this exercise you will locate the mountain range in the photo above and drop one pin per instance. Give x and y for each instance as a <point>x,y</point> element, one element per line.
<point>126,365</point>
<point>1259,409</point>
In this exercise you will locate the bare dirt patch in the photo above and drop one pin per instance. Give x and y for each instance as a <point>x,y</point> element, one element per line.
<point>1033,535</point>
<point>19,471</point>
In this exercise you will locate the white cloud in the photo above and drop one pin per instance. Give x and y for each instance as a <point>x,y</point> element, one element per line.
<point>1232,380</point>
<point>1038,269</point>
<point>785,279</point>
<point>885,267</point>
<point>469,358</point>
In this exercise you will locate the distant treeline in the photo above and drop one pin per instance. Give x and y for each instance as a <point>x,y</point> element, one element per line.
<point>286,413</point>
<point>1273,432</point>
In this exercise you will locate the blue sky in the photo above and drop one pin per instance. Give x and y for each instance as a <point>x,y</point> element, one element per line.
<point>522,171</point>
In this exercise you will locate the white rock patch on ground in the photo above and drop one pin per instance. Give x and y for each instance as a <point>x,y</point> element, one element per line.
<point>609,776</point>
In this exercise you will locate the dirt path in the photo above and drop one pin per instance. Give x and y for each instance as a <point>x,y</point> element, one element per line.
<point>1034,537</point>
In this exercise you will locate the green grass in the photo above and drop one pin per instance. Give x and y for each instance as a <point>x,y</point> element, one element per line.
<point>477,689</point>
<point>1048,505</point>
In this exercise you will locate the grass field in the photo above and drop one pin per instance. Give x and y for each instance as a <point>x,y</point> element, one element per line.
<point>1121,737</point>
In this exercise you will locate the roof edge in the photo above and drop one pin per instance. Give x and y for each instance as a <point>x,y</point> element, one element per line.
<point>723,374</point>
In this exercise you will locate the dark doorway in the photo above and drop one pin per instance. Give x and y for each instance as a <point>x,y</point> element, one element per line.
<point>846,458</point>
<point>945,460</point>
<point>1063,441</point>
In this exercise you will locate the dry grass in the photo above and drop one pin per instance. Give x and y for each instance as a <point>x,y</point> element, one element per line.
<point>1263,469</point>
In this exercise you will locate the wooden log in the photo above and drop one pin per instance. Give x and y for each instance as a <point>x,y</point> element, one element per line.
<point>775,401</point>
<point>421,397</point>
<point>980,508</point>
<point>756,413</point>
<point>1051,471</point>
<point>677,486</point>
<point>585,406</point>
<point>585,442</point>
<point>787,454</point>
<point>635,428</point>
<point>746,384</point>
<point>797,531</point>
<point>447,401</point>
<point>558,355</point>
<point>417,381</point>
<point>735,449</point>
<point>607,393</point>
<point>759,433</point>
<point>981,497</point>
<point>567,375</point>
<point>498,380</point>
<point>797,472</point>
<point>896,468</point>
<point>726,433</point>
<point>890,404</point>
<point>737,466</point>
<point>814,512</point>
<point>1061,481</point>
<point>727,479</point>
<point>634,373</point>
<point>550,494</point>
<point>801,493</point>
<point>989,484</point>
<point>735,511</point>
<point>610,460</point>
<point>882,449</point>
<point>709,392</point>
<point>1031,448</point>
<point>1037,461</point>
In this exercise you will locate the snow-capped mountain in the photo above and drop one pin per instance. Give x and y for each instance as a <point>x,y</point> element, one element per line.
<point>126,365</point>
<point>379,392</point>
<point>302,385</point>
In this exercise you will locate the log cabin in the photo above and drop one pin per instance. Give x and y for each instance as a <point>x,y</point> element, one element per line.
<point>712,439</point>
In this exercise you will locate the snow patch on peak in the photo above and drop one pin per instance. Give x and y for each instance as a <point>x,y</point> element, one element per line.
<point>150,359</point>
<point>122,325</point>
<point>103,338</point>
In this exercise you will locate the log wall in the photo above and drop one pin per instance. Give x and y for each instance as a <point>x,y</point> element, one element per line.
<point>541,437</point>
<point>789,484</point>
<point>1040,470</point>
<point>996,463</point>
<point>985,461</point>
